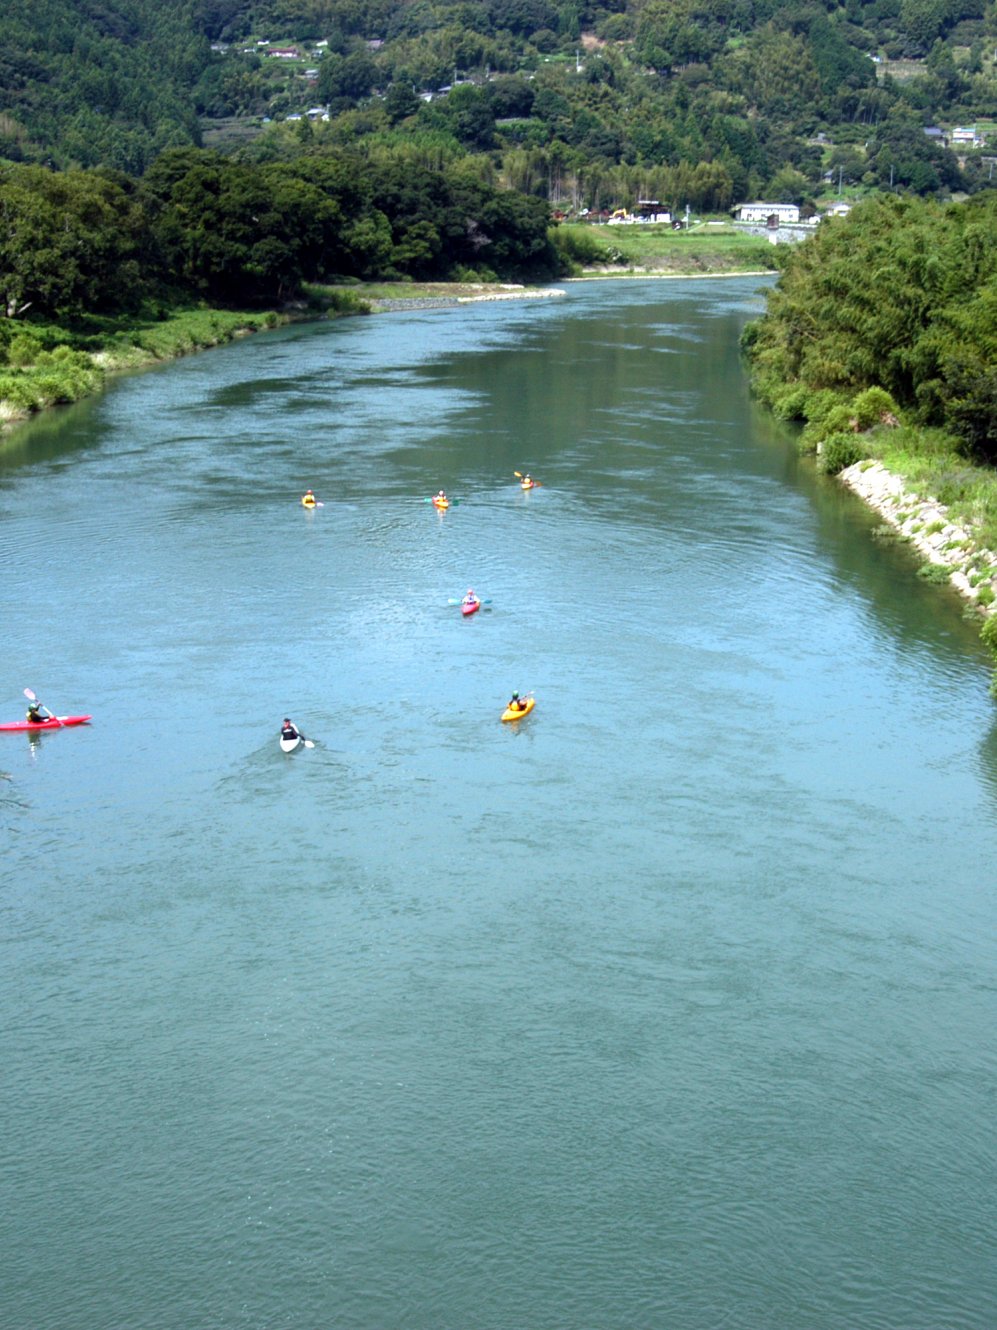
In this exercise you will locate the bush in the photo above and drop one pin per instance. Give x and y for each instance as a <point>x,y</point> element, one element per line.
<point>873,407</point>
<point>791,405</point>
<point>935,573</point>
<point>24,349</point>
<point>836,421</point>
<point>839,451</point>
<point>578,246</point>
<point>988,635</point>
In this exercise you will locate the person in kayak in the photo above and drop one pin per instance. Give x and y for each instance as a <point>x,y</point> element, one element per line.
<point>470,598</point>
<point>516,703</point>
<point>288,731</point>
<point>440,498</point>
<point>36,713</point>
<point>308,499</point>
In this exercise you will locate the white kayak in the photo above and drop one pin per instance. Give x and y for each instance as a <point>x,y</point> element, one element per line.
<point>289,745</point>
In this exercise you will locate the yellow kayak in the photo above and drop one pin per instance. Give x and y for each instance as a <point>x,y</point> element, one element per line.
<point>441,503</point>
<point>511,713</point>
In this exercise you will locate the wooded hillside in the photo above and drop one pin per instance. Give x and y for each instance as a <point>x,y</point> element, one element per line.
<point>698,102</point>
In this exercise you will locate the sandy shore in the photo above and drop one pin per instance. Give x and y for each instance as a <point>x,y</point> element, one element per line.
<point>925,523</point>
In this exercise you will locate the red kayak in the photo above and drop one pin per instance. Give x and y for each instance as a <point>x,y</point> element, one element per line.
<point>59,723</point>
<point>470,607</point>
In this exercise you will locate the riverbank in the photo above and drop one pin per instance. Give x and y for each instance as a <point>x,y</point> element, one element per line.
<point>51,365</point>
<point>951,546</point>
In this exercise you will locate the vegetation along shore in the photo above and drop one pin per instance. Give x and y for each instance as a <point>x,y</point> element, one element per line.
<point>881,339</point>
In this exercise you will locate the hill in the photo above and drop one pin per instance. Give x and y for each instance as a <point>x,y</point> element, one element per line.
<point>693,102</point>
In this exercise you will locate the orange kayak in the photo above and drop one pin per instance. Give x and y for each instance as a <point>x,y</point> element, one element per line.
<point>512,713</point>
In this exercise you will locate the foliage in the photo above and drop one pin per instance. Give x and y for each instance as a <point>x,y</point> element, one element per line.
<point>936,573</point>
<point>899,297</point>
<point>839,451</point>
<point>698,102</point>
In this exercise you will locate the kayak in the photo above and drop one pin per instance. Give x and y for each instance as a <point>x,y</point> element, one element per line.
<point>59,723</point>
<point>527,484</point>
<point>289,745</point>
<point>510,713</point>
<point>470,607</point>
<point>440,503</point>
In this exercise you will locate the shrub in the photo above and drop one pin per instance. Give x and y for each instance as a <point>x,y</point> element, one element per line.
<point>873,407</point>
<point>935,573</point>
<point>985,595</point>
<point>988,635</point>
<point>23,350</point>
<point>839,451</point>
<point>835,421</point>
<point>790,405</point>
<point>578,246</point>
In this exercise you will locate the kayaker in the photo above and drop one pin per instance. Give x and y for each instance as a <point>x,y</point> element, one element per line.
<point>528,482</point>
<point>440,498</point>
<point>517,703</point>
<point>35,712</point>
<point>470,598</point>
<point>287,730</point>
<point>308,499</point>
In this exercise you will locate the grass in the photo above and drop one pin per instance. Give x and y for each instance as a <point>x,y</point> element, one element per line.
<point>657,248</point>
<point>57,363</point>
<point>930,463</point>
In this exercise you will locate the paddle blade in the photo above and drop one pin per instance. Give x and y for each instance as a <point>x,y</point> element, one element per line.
<point>309,743</point>
<point>30,695</point>
<point>519,474</point>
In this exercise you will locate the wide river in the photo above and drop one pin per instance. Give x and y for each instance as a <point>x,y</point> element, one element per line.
<point>671,1007</point>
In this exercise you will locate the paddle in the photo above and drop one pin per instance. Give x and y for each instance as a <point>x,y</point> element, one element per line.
<point>451,502</point>
<point>32,698</point>
<point>307,742</point>
<point>453,600</point>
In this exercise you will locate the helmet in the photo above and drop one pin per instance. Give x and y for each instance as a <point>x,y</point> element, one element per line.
<point>287,720</point>
<point>514,696</point>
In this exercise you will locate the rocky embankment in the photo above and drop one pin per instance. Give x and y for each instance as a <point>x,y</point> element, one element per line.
<point>925,523</point>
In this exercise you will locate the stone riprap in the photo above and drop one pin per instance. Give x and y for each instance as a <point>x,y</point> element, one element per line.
<point>924,522</point>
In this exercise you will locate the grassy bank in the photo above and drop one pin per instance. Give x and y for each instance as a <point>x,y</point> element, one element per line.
<point>646,249</point>
<point>43,364</point>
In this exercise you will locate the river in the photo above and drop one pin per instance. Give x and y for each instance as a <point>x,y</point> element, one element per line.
<point>669,1006</point>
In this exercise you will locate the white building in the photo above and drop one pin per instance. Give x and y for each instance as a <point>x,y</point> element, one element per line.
<point>966,137</point>
<point>763,212</point>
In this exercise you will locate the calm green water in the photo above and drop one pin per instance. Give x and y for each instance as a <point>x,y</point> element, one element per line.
<point>671,1007</point>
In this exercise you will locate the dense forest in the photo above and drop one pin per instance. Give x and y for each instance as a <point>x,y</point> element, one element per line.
<point>900,296</point>
<point>696,102</point>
